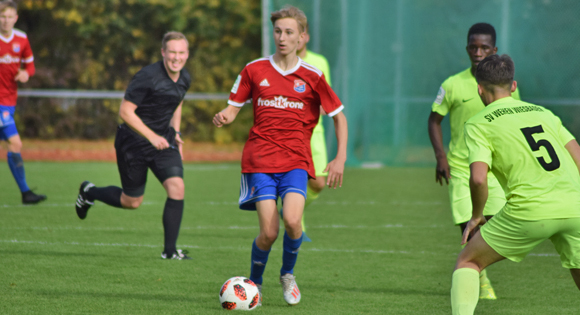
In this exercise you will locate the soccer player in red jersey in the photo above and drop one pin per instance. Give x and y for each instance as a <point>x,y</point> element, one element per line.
<point>14,52</point>
<point>276,162</point>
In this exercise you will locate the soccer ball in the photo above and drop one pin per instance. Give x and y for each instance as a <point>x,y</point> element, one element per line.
<point>239,293</point>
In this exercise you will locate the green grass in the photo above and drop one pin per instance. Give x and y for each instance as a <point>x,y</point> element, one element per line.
<point>384,243</point>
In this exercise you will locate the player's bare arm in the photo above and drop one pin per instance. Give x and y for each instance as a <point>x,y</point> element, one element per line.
<point>176,124</point>
<point>335,168</point>
<point>479,193</point>
<point>436,135</point>
<point>22,76</point>
<point>127,113</point>
<point>574,150</point>
<point>226,116</point>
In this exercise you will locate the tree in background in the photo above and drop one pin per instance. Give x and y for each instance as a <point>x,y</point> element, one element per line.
<point>101,44</point>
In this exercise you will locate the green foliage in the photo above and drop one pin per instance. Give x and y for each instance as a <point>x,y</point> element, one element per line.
<point>101,44</point>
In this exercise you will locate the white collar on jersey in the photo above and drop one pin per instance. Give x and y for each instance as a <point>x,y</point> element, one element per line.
<point>7,40</point>
<point>287,72</point>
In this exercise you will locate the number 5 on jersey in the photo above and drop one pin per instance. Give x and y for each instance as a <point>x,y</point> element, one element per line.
<point>535,146</point>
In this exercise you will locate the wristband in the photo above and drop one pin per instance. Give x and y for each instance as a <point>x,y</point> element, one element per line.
<point>178,132</point>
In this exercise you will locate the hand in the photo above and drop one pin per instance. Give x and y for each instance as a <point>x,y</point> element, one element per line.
<point>472,227</point>
<point>442,171</point>
<point>159,142</point>
<point>22,76</point>
<point>179,144</point>
<point>335,171</point>
<point>220,119</point>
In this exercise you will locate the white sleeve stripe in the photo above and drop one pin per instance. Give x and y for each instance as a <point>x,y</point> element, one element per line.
<point>28,60</point>
<point>230,102</point>
<point>259,59</point>
<point>336,111</point>
<point>312,68</point>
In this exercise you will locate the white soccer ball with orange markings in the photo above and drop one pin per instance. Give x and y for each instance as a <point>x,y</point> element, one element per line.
<point>239,293</point>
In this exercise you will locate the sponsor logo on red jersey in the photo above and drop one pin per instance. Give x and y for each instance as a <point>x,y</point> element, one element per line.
<point>299,86</point>
<point>9,59</point>
<point>280,102</point>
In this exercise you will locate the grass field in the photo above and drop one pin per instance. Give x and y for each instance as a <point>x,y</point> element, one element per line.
<point>382,244</point>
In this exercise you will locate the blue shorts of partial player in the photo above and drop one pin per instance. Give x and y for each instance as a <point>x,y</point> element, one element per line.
<point>256,187</point>
<point>7,124</point>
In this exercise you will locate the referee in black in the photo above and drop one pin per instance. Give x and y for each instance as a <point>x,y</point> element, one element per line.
<point>150,138</point>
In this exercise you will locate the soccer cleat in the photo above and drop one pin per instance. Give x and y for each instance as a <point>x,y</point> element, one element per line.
<point>291,293</point>
<point>259,291</point>
<point>486,292</point>
<point>177,255</point>
<point>30,198</point>
<point>83,204</point>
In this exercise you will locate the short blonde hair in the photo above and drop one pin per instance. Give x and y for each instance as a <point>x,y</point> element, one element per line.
<point>172,36</point>
<point>291,12</point>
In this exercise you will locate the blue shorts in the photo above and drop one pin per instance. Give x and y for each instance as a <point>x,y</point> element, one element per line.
<point>7,124</point>
<point>255,187</point>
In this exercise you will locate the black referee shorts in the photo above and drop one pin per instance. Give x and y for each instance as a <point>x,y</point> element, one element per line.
<point>133,160</point>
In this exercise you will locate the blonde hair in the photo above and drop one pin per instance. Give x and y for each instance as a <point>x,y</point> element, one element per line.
<point>171,36</point>
<point>291,12</point>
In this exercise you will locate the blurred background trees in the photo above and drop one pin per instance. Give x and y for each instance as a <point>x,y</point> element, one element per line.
<point>100,45</point>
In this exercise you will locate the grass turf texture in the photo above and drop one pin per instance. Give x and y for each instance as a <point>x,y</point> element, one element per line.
<point>384,243</point>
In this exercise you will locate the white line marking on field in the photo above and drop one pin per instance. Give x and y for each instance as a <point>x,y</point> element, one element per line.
<point>219,227</point>
<point>234,203</point>
<point>244,248</point>
<point>62,205</point>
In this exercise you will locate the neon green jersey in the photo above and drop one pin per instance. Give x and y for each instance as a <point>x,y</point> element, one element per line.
<point>458,96</point>
<point>523,144</point>
<point>320,62</point>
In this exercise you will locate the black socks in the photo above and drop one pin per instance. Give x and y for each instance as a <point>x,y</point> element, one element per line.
<point>172,214</point>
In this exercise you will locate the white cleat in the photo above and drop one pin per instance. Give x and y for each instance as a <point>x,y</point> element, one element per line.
<point>290,288</point>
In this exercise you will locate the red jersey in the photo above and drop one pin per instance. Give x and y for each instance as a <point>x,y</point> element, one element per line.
<point>286,110</point>
<point>14,51</point>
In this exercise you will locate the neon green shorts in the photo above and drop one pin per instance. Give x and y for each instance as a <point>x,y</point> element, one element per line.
<point>318,147</point>
<point>514,238</point>
<point>460,197</point>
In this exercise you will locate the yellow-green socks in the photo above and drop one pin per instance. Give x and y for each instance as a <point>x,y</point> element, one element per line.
<point>311,195</point>
<point>483,278</point>
<point>464,291</point>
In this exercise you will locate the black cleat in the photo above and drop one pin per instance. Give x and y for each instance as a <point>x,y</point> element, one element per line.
<point>83,204</point>
<point>30,198</point>
<point>178,255</point>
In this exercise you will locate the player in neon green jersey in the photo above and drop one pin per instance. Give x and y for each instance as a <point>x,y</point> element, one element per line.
<point>537,162</point>
<point>317,142</point>
<point>458,97</point>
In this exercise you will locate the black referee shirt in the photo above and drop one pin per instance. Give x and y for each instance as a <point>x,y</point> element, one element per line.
<point>156,95</point>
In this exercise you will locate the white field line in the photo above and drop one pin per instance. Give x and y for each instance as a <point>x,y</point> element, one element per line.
<point>219,227</point>
<point>234,203</point>
<point>243,248</point>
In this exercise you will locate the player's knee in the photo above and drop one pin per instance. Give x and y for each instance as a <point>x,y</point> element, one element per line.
<point>269,237</point>
<point>131,203</point>
<point>15,145</point>
<point>317,184</point>
<point>293,224</point>
<point>175,188</point>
